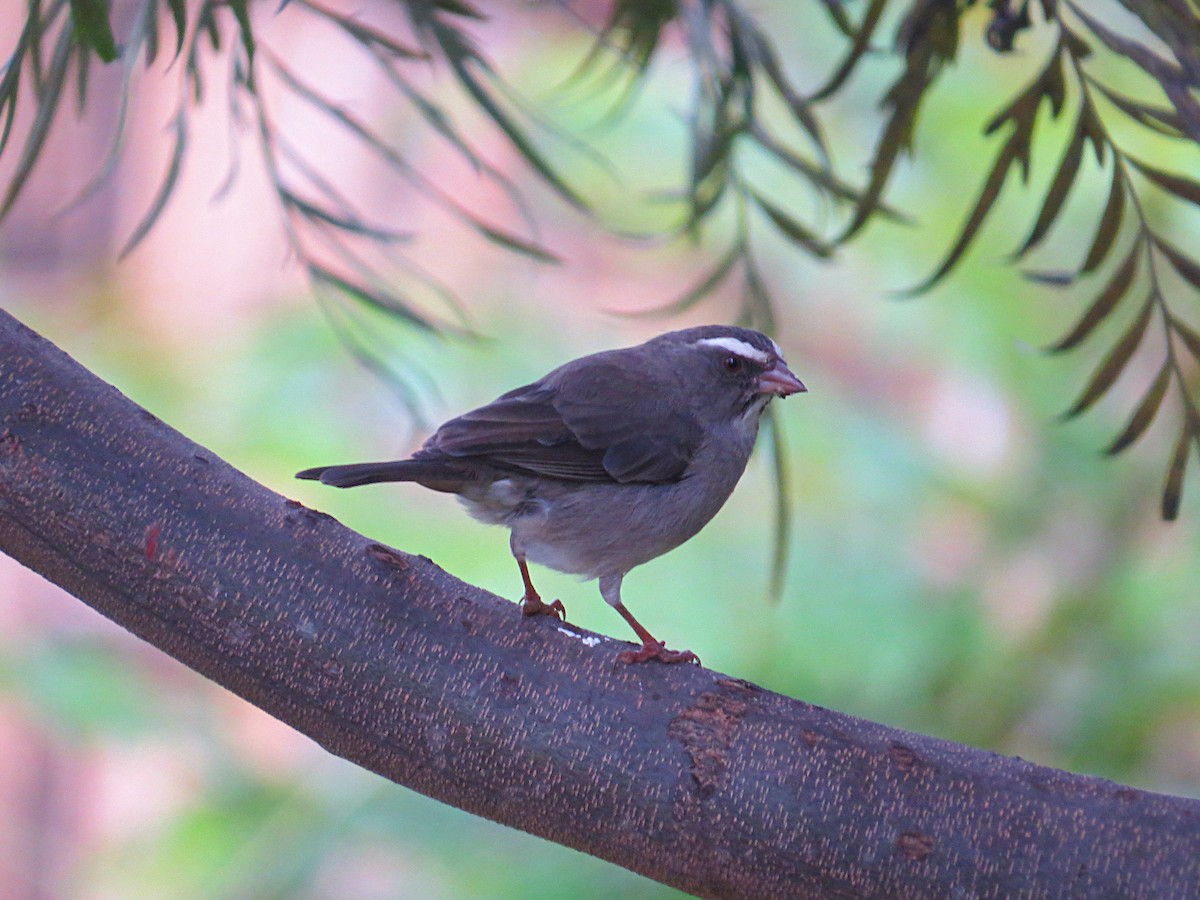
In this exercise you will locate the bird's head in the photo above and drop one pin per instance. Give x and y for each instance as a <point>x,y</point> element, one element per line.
<point>731,370</point>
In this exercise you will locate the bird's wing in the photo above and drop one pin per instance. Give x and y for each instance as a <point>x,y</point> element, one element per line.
<point>598,423</point>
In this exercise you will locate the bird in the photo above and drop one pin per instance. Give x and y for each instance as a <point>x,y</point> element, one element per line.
<point>608,461</point>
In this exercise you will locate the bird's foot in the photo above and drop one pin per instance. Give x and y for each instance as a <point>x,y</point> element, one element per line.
<point>536,606</point>
<point>657,650</point>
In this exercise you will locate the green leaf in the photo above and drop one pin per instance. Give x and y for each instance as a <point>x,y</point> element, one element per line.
<point>436,118</point>
<point>839,17</point>
<point>700,290</point>
<point>1056,194</point>
<point>1114,363</point>
<point>1190,337</point>
<point>512,242</point>
<point>459,8</point>
<point>928,38</point>
<point>1009,153</point>
<point>1132,50</point>
<point>166,189</point>
<point>783,513</point>
<point>758,308</point>
<point>1105,302</point>
<point>403,166</point>
<point>149,33</point>
<point>342,221</point>
<point>801,107</point>
<point>633,31</point>
<point>1173,485</point>
<point>711,151</point>
<point>365,34</point>
<point>179,13</point>
<point>705,195</point>
<point>1188,268</point>
<point>1110,223</point>
<point>1160,119</point>
<point>860,45</point>
<point>821,178</point>
<point>1181,187</point>
<point>49,94</point>
<point>10,83</point>
<point>793,230</point>
<point>83,70</point>
<point>340,318</point>
<point>93,27</point>
<point>1145,412</point>
<point>1048,85</point>
<point>518,138</point>
<point>383,300</point>
<point>208,24</point>
<point>1052,278</point>
<point>113,154</point>
<point>243,16</point>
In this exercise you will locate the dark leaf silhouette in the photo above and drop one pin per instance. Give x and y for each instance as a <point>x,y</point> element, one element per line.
<point>859,46</point>
<point>1189,336</point>
<point>1146,410</point>
<point>1114,364</point>
<point>792,228</point>
<point>1021,114</point>
<point>1106,301</point>
<point>783,518</point>
<point>179,14</point>
<point>95,31</point>
<point>166,188</point>
<point>1056,194</point>
<point>51,90</point>
<point>243,18</point>
<point>385,301</point>
<point>1181,187</point>
<point>1159,119</point>
<point>1049,86</point>
<point>1052,277</point>
<point>1011,152</point>
<point>928,39</point>
<point>1173,486</point>
<point>709,283</point>
<point>1187,267</point>
<point>1110,223</point>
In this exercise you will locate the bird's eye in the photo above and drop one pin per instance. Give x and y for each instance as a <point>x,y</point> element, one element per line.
<point>732,363</point>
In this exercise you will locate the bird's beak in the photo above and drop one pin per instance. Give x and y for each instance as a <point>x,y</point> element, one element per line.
<point>779,380</point>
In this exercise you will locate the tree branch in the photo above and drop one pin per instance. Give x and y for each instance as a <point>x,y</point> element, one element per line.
<point>698,780</point>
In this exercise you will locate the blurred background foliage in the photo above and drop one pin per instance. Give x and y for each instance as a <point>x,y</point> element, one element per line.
<point>961,563</point>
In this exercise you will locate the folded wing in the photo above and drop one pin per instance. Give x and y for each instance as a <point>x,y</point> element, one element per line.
<point>595,424</point>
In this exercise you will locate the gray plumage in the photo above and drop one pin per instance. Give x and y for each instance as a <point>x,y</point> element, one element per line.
<point>609,460</point>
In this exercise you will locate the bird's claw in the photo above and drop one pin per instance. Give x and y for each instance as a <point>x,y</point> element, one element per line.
<point>536,606</point>
<point>657,650</point>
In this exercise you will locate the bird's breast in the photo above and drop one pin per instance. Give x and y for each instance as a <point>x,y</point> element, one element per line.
<point>602,529</point>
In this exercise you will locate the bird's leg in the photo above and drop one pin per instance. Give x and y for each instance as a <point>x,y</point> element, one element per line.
<point>532,603</point>
<point>610,589</point>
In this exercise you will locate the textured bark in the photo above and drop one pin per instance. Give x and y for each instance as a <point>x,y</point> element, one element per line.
<point>690,777</point>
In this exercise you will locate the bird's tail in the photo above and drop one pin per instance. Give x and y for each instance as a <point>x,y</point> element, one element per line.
<point>370,473</point>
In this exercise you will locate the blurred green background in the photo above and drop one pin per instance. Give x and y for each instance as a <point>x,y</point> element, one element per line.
<point>961,564</point>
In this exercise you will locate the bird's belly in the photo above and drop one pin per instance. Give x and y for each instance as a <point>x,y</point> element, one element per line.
<point>500,502</point>
<point>609,529</point>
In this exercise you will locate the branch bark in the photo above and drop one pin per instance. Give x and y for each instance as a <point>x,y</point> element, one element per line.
<point>688,776</point>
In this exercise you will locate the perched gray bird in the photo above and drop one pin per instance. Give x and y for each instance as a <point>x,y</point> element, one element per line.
<point>607,462</point>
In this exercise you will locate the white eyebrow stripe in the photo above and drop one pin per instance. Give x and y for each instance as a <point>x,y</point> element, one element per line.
<point>741,348</point>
